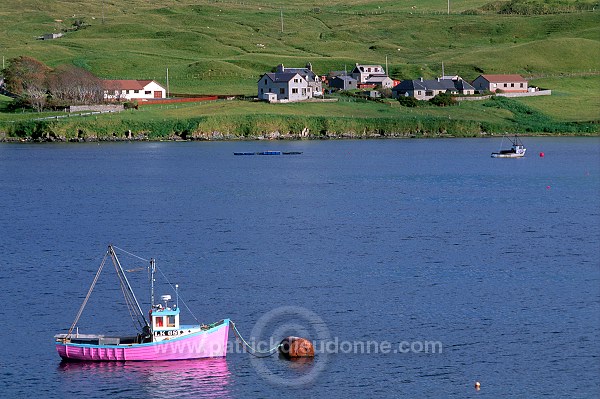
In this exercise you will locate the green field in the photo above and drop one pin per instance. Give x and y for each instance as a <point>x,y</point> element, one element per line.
<point>222,47</point>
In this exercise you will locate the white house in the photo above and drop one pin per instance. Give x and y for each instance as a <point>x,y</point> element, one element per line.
<point>132,90</point>
<point>362,72</point>
<point>314,80</point>
<point>284,87</point>
<point>379,81</point>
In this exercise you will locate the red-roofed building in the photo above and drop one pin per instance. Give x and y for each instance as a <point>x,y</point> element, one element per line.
<point>501,83</point>
<point>132,90</point>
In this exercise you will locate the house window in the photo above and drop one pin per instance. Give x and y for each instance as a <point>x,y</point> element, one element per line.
<point>147,92</point>
<point>265,81</point>
<point>512,85</point>
<point>303,91</point>
<point>170,321</point>
<point>505,84</point>
<point>261,91</point>
<point>419,92</point>
<point>126,91</point>
<point>282,90</point>
<point>136,91</point>
<point>295,90</point>
<point>295,80</point>
<point>521,84</point>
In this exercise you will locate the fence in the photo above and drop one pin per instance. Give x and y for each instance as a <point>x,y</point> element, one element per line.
<point>178,100</point>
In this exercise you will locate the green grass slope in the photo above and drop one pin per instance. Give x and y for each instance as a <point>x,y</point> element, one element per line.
<point>223,46</point>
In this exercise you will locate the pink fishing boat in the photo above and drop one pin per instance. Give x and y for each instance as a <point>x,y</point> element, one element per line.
<point>161,337</point>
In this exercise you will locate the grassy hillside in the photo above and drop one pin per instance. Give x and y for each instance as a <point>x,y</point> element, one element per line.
<point>222,47</point>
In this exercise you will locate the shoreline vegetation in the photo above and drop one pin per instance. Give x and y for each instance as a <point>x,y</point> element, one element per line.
<point>493,117</point>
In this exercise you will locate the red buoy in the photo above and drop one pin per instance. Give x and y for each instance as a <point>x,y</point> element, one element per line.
<point>293,347</point>
<point>542,155</point>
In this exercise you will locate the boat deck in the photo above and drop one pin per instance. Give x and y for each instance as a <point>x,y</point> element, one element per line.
<point>95,339</point>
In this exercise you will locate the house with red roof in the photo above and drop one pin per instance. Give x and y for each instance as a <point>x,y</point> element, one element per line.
<point>500,83</point>
<point>127,90</point>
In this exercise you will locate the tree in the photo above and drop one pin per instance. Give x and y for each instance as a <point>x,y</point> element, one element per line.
<point>34,83</point>
<point>75,85</point>
<point>36,97</point>
<point>23,73</point>
<point>386,92</point>
<point>28,78</point>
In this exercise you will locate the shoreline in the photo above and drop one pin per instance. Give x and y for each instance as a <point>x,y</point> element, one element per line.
<point>216,136</point>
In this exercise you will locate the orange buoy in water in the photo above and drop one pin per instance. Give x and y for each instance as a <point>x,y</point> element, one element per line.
<point>293,347</point>
<point>542,155</point>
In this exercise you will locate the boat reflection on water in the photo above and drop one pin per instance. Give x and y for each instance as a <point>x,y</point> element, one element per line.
<point>204,378</point>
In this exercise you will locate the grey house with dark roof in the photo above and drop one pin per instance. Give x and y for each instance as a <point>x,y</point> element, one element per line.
<point>343,82</point>
<point>427,89</point>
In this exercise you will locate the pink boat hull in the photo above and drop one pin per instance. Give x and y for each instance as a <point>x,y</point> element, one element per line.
<point>203,344</point>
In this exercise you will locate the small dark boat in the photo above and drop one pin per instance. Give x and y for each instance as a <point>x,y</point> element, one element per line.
<point>269,153</point>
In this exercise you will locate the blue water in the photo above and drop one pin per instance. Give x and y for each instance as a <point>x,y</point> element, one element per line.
<point>390,242</point>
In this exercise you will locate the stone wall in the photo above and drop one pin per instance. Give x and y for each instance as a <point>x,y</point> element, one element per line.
<point>528,94</point>
<point>97,108</point>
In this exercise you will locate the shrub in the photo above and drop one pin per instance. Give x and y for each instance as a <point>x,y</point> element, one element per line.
<point>130,105</point>
<point>443,100</point>
<point>408,101</point>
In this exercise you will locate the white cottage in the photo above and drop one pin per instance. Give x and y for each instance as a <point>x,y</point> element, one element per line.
<point>126,90</point>
<point>284,87</point>
<point>362,73</point>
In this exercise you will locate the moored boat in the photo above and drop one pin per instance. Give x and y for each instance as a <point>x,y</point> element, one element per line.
<point>517,150</point>
<point>269,153</point>
<point>162,337</point>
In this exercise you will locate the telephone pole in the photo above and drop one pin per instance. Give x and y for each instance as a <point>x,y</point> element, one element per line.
<point>167,82</point>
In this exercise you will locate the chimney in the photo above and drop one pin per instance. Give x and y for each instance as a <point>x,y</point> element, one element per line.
<point>309,66</point>
<point>421,79</point>
<point>280,68</point>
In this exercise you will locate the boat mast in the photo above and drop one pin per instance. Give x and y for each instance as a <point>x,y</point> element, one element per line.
<point>123,278</point>
<point>152,270</point>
